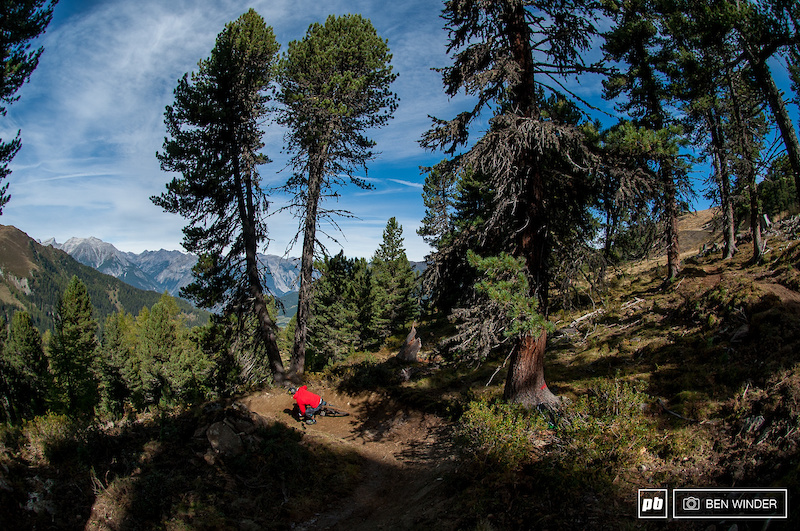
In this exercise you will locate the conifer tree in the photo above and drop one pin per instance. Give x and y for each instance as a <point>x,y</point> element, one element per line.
<point>24,378</point>
<point>334,328</point>
<point>116,357</point>
<point>215,141</point>
<point>395,283</point>
<point>503,53</point>
<point>21,21</point>
<point>365,301</point>
<point>73,350</point>
<point>438,195</point>
<point>171,366</point>
<point>641,44</point>
<point>335,86</point>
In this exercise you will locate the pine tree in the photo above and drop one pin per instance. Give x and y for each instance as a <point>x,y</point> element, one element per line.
<point>115,372</point>
<point>73,350</point>
<point>535,161</point>
<point>215,142</point>
<point>335,86</point>
<point>640,41</point>
<point>365,301</point>
<point>766,30</point>
<point>24,382</point>
<point>333,331</point>
<point>395,283</point>
<point>21,22</point>
<point>438,195</point>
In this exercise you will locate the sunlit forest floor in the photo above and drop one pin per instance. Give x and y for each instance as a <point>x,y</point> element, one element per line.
<point>693,384</point>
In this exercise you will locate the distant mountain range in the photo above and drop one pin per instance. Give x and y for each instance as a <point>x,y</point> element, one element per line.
<point>160,271</point>
<point>166,270</point>
<point>33,278</point>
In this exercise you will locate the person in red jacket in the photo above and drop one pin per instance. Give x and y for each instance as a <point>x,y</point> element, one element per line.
<point>307,402</point>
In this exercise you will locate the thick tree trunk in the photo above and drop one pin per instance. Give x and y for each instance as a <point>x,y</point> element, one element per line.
<point>316,174</point>
<point>265,324</point>
<point>766,83</point>
<point>525,383</point>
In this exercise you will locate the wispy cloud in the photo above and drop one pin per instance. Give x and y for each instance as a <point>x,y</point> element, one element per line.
<point>92,117</point>
<point>407,183</point>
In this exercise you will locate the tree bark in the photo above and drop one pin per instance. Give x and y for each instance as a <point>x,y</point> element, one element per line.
<point>755,222</point>
<point>265,324</point>
<point>671,213</point>
<point>724,182</point>
<point>411,346</point>
<point>315,177</point>
<point>525,383</point>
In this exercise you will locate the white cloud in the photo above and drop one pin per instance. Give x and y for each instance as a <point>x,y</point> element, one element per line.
<point>92,117</point>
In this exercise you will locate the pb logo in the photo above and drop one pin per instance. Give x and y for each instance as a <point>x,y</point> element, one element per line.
<point>653,503</point>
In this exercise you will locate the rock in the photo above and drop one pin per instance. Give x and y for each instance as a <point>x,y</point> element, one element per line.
<point>224,440</point>
<point>740,334</point>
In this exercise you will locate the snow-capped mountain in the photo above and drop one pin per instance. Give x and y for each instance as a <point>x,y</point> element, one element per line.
<point>165,270</point>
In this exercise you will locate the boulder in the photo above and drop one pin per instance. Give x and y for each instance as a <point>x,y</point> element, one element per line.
<point>224,440</point>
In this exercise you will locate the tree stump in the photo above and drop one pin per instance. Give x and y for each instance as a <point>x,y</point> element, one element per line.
<point>411,347</point>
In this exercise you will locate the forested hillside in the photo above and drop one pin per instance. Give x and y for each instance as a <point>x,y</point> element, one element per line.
<point>34,277</point>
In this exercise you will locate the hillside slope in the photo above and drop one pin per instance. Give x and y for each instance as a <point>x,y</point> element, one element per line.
<point>33,277</point>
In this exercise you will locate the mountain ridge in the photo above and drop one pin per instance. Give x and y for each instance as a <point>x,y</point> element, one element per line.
<point>33,278</point>
<point>165,270</point>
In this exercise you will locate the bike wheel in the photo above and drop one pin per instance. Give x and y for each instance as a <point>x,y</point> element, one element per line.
<point>329,411</point>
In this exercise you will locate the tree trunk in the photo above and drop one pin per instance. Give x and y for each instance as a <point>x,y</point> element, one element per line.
<point>411,347</point>
<point>525,383</point>
<point>671,213</point>
<point>315,176</point>
<point>265,324</point>
<point>755,222</point>
<point>724,183</point>
<point>766,83</point>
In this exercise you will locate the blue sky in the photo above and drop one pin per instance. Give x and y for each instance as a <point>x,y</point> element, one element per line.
<point>92,119</point>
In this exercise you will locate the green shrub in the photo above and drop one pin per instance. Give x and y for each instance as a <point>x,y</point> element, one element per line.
<point>500,435</point>
<point>607,429</point>
<point>601,431</point>
<point>51,437</point>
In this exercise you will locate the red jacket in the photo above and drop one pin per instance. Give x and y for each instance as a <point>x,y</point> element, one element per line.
<point>306,398</point>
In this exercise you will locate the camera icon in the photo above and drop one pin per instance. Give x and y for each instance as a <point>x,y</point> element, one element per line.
<point>691,503</point>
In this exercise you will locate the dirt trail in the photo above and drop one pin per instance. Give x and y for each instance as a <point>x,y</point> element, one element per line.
<point>405,452</point>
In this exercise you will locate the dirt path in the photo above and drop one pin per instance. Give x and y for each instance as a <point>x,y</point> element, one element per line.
<point>405,453</point>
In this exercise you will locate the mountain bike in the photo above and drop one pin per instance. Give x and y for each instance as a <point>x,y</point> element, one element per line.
<point>329,411</point>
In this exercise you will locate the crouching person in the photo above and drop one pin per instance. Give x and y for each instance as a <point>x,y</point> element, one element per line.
<point>308,403</point>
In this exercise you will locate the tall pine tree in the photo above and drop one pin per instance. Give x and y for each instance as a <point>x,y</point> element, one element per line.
<point>395,283</point>
<point>215,141</point>
<point>73,350</point>
<point>504,52</point>
<point>24,378</point>
<point>335,86</point>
